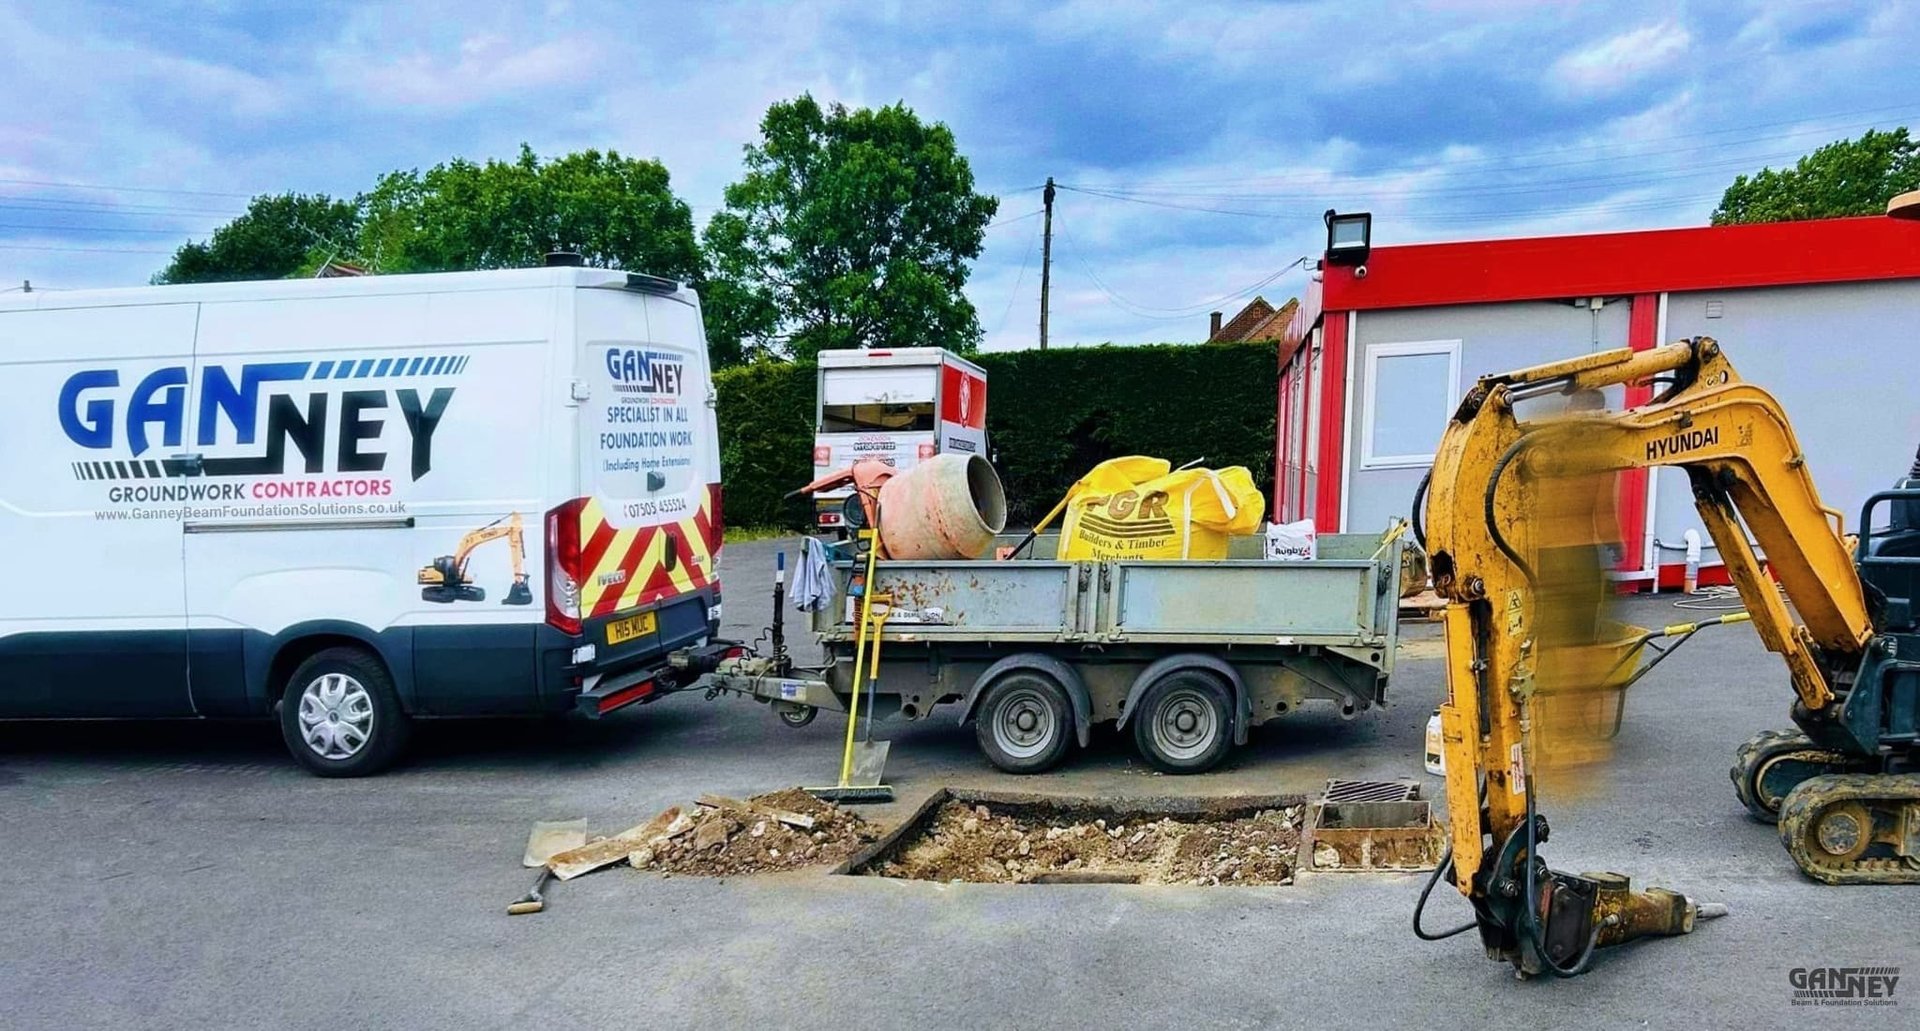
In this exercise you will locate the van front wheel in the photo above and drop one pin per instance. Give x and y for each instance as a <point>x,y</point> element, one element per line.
<point>340,716</point>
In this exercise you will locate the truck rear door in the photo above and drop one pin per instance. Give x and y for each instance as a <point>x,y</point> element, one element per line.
<point>883,412</point>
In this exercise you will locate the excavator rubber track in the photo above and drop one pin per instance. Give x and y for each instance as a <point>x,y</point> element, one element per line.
<point>1855,828</point>
<point>1772,747</point>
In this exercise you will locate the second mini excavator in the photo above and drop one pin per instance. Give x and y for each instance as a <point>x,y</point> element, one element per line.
<point>1840,786</point>
<point>446,580</point>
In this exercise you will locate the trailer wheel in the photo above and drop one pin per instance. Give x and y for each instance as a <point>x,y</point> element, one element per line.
<point>1024,722</point>
<point>1185,722</point>
<point>340,716</point>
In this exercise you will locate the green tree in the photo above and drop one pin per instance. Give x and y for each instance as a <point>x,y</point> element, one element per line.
<point>276,237</point>
<point>617,212</point>
<point>1846,177</point>
<point>851,228</point>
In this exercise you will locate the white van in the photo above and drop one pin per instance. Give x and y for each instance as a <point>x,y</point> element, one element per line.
<point>896,405</point>
<point>355,501</point>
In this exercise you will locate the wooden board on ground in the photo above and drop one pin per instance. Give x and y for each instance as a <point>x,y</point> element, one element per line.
<point>1425,605</point>
<point>596,854</point>
<point>791,819</point>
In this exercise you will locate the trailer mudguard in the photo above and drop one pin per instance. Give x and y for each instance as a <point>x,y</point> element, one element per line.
<point>1066,676</point>
<point>1242,702</point>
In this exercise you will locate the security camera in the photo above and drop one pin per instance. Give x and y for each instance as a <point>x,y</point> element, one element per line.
<point>1359,272</point>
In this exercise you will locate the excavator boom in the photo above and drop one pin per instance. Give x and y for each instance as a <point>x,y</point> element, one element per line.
<point>1500,532</point>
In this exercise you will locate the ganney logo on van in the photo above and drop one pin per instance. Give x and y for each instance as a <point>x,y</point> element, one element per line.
<point>336,421</point>
<point>645,372</point>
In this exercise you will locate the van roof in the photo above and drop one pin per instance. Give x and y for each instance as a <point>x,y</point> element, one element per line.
<point>349,286</point>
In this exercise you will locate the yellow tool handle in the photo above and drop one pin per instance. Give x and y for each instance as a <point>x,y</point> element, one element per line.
<point>860,651</point>
<point>1686,628</point>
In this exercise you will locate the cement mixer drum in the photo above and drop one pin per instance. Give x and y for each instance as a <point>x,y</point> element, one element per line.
<point>946,507</point>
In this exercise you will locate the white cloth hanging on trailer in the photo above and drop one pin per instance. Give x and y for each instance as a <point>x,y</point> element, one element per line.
<point>812,586</point>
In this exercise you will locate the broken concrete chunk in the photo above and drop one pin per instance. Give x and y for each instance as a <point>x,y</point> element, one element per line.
<point>594,855</point>
<point>681,824</point>
<point>712,834</point>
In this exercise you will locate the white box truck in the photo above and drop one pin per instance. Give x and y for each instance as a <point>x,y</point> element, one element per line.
<point>898,406</point>
<point>353,502</point>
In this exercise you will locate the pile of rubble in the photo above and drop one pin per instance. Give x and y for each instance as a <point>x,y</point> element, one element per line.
<point>966,842</point>
<point>784,830</point>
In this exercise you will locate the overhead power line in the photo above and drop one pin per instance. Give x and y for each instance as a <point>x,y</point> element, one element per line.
<point>1143,311</point>
<point>1645,146</point>
<point>1014,296</point>
<point>94,229</point>
<point>89,250</point>
<point>61,185</point>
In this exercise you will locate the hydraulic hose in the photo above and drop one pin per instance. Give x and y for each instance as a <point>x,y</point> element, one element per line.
<point>1418,517</point>
<point>1493,524</point>
<point>1446,864</point>
<point>1531,919</point>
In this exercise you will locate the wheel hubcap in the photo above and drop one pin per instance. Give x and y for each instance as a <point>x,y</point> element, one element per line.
<point>1024,726</point>
<point>336,716</point>
<point>1186,725</point>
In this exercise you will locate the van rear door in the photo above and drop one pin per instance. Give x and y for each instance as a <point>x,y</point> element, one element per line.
<point>649,519</point>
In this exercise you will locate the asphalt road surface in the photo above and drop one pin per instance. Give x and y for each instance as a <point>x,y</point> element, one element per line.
<point>188,875</point>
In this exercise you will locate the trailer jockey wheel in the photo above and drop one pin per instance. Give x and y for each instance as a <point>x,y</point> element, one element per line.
<point>1024,722</point>
<point>1185,722</point>
<point>795,715</point>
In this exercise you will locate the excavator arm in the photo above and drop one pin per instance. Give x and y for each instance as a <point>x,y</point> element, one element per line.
<point>1488,543</point>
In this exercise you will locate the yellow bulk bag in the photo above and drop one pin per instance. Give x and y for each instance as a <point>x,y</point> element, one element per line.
<point>1139,507</point>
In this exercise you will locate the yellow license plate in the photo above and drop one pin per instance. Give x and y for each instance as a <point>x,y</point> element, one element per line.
<point>623,630</point>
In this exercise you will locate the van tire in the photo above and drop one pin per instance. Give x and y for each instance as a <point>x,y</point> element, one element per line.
<point>1185,722</point>
<point>1024,722</point>
<point>339,714</point>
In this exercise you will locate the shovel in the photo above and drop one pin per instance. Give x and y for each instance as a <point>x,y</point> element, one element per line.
<point>863,764</point>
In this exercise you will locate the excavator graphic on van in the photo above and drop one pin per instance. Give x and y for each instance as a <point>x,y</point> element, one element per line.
<point>446,580</point>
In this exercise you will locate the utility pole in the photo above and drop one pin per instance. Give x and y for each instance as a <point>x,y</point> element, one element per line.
<point>1046,259</point>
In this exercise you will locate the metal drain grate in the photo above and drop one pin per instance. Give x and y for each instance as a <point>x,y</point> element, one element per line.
<point>1371,791</point>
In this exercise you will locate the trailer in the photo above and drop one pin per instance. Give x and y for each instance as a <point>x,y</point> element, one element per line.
<point>1186,655</point>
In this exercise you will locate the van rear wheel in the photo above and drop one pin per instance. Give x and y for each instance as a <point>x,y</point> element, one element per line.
<point>340,716</point>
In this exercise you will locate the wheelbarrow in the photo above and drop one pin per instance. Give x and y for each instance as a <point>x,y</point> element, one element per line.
<point>1629,644</point>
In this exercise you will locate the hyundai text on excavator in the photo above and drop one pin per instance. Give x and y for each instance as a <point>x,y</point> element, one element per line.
<point>1841,786</point>
<point>446,580</point>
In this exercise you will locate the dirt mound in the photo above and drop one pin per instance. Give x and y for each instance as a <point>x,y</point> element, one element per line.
<point>966,842</point>
<point>782,830</point>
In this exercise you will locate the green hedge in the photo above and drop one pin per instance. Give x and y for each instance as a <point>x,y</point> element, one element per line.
<point>1051,415</point>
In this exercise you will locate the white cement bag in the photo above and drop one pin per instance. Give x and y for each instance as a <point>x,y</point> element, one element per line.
<point>1292,542</point>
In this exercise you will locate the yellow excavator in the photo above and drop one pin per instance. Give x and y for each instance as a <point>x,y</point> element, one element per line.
<point>446,580</point>
<point>1527,664</point>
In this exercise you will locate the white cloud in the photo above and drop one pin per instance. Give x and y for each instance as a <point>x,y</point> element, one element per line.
<point>1621,60</point>
<point>483,68</point>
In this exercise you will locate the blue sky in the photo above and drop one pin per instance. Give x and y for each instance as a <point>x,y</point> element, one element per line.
<point>1203,138</point>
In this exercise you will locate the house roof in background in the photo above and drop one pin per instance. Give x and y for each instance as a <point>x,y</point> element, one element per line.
<point>1257,321</point>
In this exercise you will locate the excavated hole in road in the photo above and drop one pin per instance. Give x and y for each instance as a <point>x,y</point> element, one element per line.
<point>1000,838</point>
